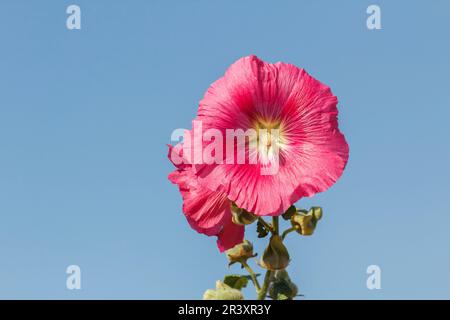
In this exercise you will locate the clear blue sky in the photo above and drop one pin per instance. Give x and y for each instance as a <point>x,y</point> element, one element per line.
<point>85,117</point>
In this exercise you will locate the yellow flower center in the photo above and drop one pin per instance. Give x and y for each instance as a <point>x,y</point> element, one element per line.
<point>269,137</point>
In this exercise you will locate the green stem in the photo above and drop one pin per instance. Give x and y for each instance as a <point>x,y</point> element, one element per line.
<point>275,225</point>
<point>252,275</point>
<point>263,292</point>
<point>287,231</point>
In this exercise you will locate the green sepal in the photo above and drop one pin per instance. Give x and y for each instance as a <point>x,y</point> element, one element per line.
<point>261,230</point>
<point>289,213</point>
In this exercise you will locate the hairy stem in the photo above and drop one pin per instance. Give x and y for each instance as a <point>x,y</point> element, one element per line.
<point>275,225</point>
<point>287,231</point>
<point>263,292</point>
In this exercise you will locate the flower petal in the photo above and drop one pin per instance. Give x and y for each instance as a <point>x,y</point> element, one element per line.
<point>207,211</point>
<point>313,154</point>
<point>231,235</point>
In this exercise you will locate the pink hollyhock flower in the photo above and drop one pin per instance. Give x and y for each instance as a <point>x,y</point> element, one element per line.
<point>312,152</point>
<point>207,211</point>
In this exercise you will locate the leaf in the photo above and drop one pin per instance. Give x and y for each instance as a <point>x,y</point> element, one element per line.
<point>236,281</point>
<point>261,230</point>
<point>250,277</point>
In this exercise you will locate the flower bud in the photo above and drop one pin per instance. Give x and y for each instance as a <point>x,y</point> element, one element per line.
<point>282,275</point>
<point>240,252</point>
<point>275,256</point>
<point>222,292</point>
<point>241,216</point>
<point>282,287</point>
<point>305,222</point>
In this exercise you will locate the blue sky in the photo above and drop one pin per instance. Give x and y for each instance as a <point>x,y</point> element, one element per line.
<point>85,116</point>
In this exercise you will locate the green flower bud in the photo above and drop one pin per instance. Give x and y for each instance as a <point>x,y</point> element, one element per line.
<point>222,292</point>
<point>305,222</point>
<point>240,252</point>
<point>282,288</point>
<point>275,256</point>
<point>282,275</point>
<point>241,216</point>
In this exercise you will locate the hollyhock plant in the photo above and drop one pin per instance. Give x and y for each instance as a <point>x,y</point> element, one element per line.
<point>291,148</point>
